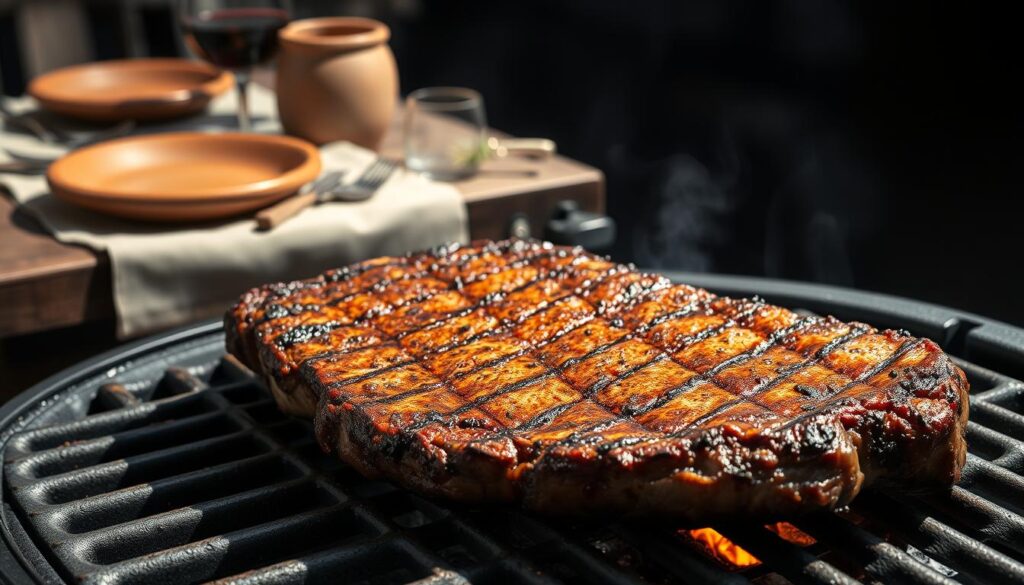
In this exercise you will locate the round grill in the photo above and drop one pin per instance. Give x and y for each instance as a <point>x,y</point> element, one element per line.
<point>165,462</point>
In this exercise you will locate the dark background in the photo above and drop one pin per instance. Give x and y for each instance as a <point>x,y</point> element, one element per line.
<point>873,145</point>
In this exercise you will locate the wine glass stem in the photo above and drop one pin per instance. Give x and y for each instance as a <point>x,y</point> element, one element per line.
<point>242,82</point>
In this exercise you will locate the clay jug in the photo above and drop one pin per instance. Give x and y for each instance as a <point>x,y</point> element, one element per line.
<point>337,80</point>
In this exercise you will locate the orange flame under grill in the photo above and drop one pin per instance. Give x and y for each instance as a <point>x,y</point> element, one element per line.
<point>790,533</point>
<point>733,556</point>
<point>722,549</point>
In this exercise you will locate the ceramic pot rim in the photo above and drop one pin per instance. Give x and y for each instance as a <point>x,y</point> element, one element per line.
<point>340,33</point>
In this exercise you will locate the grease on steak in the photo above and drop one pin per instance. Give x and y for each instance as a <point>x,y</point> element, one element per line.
<point>519,370</point>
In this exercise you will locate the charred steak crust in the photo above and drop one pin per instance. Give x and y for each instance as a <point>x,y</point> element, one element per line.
<point>518,370</point>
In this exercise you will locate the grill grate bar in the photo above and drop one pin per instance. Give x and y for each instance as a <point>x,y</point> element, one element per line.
<point>993,482</point>
<point>82,455</point>
<point>388,556</point>
<point>1011,424</point>
<point>115,396</point>
<point>180,381</point>
<point>228,553</point>
<point>881,559</point>
<point>1011,400</point>
<point>986,383</point>
<point>956,549</point>
<point>183,525</point>
<point>107,477</point>
<point>143,500</point>
<point>104,424</point>
<point>978,515</point>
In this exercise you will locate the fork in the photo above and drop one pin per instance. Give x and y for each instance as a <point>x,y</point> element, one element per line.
<point>275,215</point>
<point>363,188</point>
<point>366,185</point>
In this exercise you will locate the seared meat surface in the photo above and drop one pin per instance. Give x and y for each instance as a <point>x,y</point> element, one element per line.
<point>524,371</point>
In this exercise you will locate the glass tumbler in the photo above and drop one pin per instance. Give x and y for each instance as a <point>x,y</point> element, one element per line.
<point>445,132</point>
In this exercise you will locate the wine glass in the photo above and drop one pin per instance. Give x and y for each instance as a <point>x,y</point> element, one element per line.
<point>235,35</point>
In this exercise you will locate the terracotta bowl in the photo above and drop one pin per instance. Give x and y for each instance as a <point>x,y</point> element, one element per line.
<point>186,176</point>
<point>138,89</point>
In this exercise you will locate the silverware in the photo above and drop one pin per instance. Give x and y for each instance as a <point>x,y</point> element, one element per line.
<point>28,158</point>
<point>366,185</point>
<point>27,123</point>
<point>80,142</point>
<point>275,215</point>
<point>22,167</point>
<point>50,134</point>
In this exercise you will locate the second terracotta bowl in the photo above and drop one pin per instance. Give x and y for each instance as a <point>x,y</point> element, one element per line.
<point>137,89</point>
<point>186,176</point>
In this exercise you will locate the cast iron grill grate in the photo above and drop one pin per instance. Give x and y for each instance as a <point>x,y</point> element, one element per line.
<point>175,466</point>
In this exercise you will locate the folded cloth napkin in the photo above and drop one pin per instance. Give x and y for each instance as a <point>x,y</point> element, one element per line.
<point>166,275</point>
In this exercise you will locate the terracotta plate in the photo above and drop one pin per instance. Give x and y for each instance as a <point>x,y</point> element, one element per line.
<point>139,89</point>
<point>184,176</point>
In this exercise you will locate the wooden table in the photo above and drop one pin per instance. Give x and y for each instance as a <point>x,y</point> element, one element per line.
<point>46,285</point>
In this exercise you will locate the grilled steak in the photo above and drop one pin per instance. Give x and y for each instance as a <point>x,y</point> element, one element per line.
<point>525,371</point>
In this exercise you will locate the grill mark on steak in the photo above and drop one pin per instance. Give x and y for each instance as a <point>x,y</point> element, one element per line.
<point>491,299</point>
<point>558,409</point>
<point>485,301</point>
<point>545,417</point>
<point>501,391</point>
<point>368,375</point>
<point>825,405</point>
<point>287,339</point>
<point>325,280</point>
<point>506,328</point>
<point>734,360</point>
<point>349,272</point>
<point>593,427</point>
<point>704,378</point>
<point>520,263</point>
<point>324,329</point>
<point>552,413</point>
<point>905,348</point>
<point>818,355</point>
<point>468,341</point>
<point>738,359</point>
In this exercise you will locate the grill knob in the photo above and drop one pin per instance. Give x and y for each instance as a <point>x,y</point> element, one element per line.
<point>571,226</point>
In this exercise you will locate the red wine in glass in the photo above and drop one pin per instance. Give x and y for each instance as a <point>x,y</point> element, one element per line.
<point>235,35</point>
<point>236,38</point>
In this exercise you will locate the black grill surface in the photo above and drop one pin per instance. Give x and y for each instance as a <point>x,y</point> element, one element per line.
<point>168,463</point>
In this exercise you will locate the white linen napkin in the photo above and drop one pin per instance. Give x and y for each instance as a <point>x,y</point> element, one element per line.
<point>167,275</point>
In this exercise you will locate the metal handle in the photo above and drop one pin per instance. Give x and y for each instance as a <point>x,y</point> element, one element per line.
<point>533,147</point>
<point>275,215</point>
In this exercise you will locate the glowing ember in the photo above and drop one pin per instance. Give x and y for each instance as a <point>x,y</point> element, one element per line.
<point>733,556</point>
<point>721,548</point>
<point>790,533</point>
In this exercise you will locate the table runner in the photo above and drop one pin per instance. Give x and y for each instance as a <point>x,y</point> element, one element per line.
<point>167,275</point>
